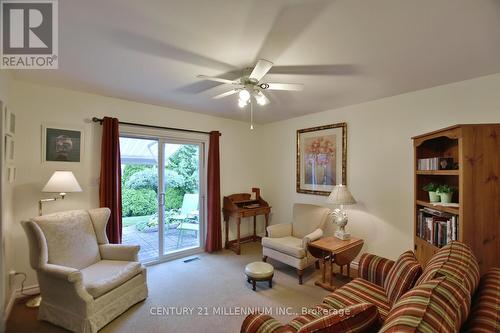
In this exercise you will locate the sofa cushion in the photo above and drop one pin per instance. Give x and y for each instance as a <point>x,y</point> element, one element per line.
<point>71,240</point>
<point>456,261</point>
<point>289,245</point>
<point>311,314</point>
<point>359,291</point>
<point>439,305</point>
<point>402,276</point>
<point>374,268</point>
<point>485,313</point>
<point>262,323</point>
<point>362,317</point>
<point>106,275</point>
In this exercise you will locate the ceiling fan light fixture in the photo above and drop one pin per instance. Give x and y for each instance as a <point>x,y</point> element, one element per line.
<point>261,100</point>
<point>241,103</point>
<point>244,95</point>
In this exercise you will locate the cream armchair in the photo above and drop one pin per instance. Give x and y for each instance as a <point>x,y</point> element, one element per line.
<point>84,282</point>
<point>288,242</point>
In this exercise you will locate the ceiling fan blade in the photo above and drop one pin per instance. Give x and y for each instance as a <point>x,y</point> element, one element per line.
<point>337,69</point>
<point>227,93</point>
<point>217,79</point>
<point>261,68</point>
<point>294,19</point>
<point>285,86</point>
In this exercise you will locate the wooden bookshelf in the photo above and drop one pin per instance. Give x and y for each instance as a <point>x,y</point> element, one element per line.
<point>475,150</point>
<point>438,172</point>
<point>446,209</point>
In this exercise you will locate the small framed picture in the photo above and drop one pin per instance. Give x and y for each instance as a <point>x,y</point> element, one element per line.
<point>9,149</point>
<point>10,122</point>
<point>62,144</point>
<point>11,174</point>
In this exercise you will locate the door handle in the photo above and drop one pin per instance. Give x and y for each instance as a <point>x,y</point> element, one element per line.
<point>162,199</point>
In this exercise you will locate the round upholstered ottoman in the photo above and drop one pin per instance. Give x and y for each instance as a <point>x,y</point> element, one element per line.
<point>259,271</point>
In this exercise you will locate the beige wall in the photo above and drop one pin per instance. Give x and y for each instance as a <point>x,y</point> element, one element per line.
<point>379,171</point>
<point>36,104</point>
<point>5,198</point>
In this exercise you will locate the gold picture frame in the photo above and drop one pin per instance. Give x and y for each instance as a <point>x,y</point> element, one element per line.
<point>321,158</point>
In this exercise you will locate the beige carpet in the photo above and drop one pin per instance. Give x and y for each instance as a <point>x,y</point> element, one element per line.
<point>213,288</point>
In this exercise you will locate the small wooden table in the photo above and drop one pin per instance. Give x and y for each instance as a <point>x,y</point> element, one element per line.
<point>332,249</point>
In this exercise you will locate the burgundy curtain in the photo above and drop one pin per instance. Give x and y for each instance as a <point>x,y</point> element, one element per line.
<point>214,225</point>
<point>110,189</point>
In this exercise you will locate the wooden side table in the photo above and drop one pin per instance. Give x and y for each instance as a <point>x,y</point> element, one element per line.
<point>334,250</point>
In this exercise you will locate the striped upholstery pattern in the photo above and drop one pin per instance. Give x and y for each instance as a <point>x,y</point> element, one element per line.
<point>456,261</point>
<point>485,314</point>
<point>374,268</point>
<point>402,276</point>
<point>316,313</point>
<point>359,291</point>
<point>435,306</point>
<point>322,318</point>
<point>357,318</point>
<point>262,323</point>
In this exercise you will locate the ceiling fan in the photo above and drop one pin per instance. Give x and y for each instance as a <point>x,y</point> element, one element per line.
<point>250,84</point>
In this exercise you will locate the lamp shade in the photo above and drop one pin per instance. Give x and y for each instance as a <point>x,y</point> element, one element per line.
<point>62,182</point>
<point>341,196</point>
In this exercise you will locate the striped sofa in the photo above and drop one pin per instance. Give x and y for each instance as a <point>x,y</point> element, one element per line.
<point>406,299</point>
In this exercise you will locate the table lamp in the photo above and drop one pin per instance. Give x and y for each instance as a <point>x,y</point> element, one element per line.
<point>340,196</point>
<point>61,182</point>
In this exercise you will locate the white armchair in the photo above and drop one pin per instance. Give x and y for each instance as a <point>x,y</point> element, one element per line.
<point>84,282</point>
<point>288,242</point>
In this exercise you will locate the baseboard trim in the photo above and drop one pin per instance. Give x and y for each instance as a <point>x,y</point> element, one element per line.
<point>16,294</point>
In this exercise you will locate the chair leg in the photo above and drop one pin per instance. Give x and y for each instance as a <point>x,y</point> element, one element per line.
<point>300,272</point>
<point>264,258</point>
<point>271,283</point>
<point>253,285</point>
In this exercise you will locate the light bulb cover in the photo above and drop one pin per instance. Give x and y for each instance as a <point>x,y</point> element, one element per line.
<point>244,95</point>
<point>260,100</point>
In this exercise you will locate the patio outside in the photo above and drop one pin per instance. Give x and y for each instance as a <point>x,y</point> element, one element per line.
<point>140,196</point>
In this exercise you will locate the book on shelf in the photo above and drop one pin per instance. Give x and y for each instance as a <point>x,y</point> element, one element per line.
<point>435,163</point>
<point>437,228</point>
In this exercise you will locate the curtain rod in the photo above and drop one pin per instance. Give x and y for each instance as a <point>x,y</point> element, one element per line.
<point>99,120</point>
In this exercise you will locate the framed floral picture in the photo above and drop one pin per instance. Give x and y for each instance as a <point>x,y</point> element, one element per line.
<point>321,158</point>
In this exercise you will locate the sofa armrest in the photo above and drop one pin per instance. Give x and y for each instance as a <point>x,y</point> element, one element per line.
<point>315,235</point>
<point>119,252</point>
<point>263,323</point>
<point>69,274</point>
<point>279,230</point>
<point>374,268</point>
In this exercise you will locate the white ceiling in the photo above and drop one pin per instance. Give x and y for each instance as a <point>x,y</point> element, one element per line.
<point>151,51</point>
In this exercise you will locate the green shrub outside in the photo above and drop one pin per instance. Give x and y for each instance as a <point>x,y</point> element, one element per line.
<point>140,183</point>
<point>138,202</point>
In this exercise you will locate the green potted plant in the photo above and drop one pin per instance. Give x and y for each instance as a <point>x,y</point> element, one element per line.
<point>432,188</point>
<point>445,192</point>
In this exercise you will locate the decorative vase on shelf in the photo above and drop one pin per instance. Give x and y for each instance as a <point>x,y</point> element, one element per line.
<point>434,196</point>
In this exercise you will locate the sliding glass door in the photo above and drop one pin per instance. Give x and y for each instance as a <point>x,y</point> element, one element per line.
<point>180,196</point>
<point>162,195</point>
